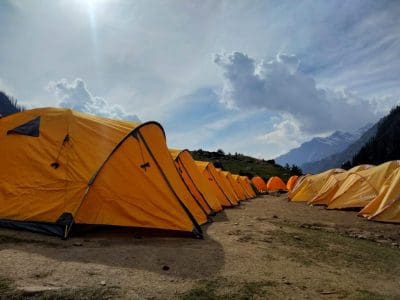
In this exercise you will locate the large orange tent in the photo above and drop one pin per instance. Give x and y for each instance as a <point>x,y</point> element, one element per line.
<point>259,183</point>
<point>197,184</point>
<point>60,167</point>
<point>291,182</point>
<point>209,172</point>
<point>275,183</point>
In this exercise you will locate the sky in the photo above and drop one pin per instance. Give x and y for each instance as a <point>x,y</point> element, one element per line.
<point>254,77</point>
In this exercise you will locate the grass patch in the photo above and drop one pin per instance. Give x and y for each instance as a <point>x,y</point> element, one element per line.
<point>368,295</point>
<point>220,289</point>
<point>9,291</point>
<point>321,247</point>
<point>6,239</point>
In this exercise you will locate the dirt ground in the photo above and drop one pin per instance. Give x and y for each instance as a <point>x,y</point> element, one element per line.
<point>266,248</point>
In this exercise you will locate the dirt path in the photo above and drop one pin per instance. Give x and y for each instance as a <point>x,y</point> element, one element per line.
<point>266,248</point>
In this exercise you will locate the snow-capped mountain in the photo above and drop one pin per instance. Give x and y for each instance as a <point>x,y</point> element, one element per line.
<point>321,147</point>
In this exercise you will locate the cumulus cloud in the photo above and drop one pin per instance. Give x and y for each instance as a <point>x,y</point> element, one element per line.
<point>284,134</point>
<point>75,95</point>
<point>278,85</point>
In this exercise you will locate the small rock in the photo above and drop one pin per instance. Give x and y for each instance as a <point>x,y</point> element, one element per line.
<point>77,244</point>
<point>327,292</point>
<point>236,224</point>
<point>103,282</point>
<point>165,268</point>
<point>275,217</point>
<point>35,290</point>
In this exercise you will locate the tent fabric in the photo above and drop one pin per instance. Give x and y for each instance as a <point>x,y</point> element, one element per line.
<point>259,183</point>
<point>275,183</point>
<point>328,190</point>
<point>88,170</point>
<point>228,187</point>
<point>196,183</point>
<point>248,186</point>
<point>310,186</point>
<point>211,175</point>
<point>235,186</point>
<point>291,182</point>
<point>386,206</point>
<point>241,182</point>
<point>361,187</point>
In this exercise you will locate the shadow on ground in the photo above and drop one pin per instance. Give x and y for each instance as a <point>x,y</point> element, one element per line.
<point>168,253</point>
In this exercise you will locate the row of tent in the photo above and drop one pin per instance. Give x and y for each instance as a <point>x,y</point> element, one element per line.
<point>60,167</point>
<point>374,190</point>
<point>274,183</point>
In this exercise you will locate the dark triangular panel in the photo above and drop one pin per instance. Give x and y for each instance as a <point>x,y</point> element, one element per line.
<point>30,128</point>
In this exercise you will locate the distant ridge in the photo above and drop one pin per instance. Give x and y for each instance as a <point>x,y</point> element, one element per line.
<point>319,148</point>
<point>338,159</point>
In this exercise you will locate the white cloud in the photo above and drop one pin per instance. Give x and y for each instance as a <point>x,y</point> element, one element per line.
<point>278,85</point>
<point>284,135</point>
<point>75,95</point>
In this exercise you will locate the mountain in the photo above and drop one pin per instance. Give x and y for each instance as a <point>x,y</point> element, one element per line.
<point>245,165</point>
<point>385,144</point>
<point>8,105</point>
<point>338,159</point>
<point>319,148</point>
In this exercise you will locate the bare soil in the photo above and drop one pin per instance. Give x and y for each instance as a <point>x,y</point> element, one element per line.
<point>267,248</point>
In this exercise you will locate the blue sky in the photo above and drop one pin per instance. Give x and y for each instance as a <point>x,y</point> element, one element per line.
<point>256,77</point>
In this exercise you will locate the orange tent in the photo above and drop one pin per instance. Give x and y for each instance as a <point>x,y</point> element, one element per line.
<point>209,172</point>
<point>241,184</point>
<point>259,183</point>
<point>195,182</point>
<point>60,167</point>
<point>248,186</point>
<point>228,186</point>
<point>291,182</point>
<point>275,184</point>
<point>235,186</point>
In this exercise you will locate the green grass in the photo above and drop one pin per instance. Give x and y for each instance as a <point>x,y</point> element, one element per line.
<point>221,288</point>
<point>243,164</point>
<point>320,247</point>
<point>6,239</point>
<point>9,291</point>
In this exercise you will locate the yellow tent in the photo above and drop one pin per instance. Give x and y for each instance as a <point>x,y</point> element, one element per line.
<point>333,183</point>
<point>310,185</point>
<point>361,187</point>
<point>228,186</point>
<point>196,183</point>
<point>209,172</point>
<point>60,167</point>
<point>386,206</point>
<point>235,186</point>
<point>248,186</point>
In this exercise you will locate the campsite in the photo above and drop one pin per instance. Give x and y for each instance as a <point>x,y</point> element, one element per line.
<point>199,150</point>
